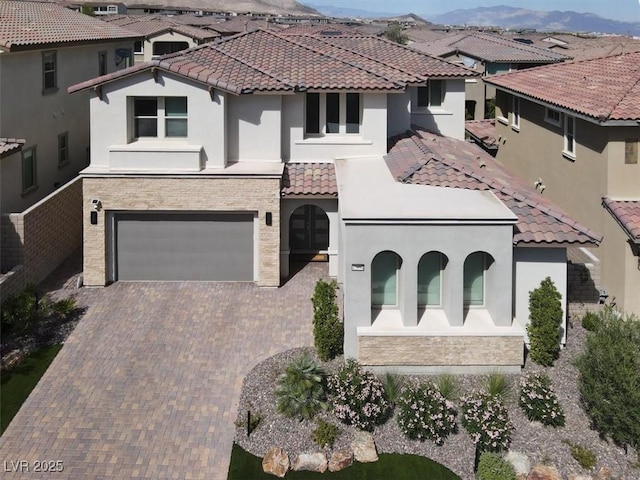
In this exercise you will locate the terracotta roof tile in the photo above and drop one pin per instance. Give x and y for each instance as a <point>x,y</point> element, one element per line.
<point>483,131</point>
<point>421,157</point>
<point>627,214</point>
<point>605,88</point>
<point>34,24</point>
<point>309,179</point>
<point>9,144</point>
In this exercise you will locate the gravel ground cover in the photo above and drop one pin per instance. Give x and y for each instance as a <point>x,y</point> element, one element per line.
<point>542,444</point>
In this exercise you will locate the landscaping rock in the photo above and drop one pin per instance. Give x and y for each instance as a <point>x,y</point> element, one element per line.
<point>364,448</point>
<point>12,359</point>
<point>604,473</point>
<point>544,472</point>
<point>574,476</point>
<point>520,463</point>
<point>313,462</point>
<point>340,459</point>
<point>276,462</point>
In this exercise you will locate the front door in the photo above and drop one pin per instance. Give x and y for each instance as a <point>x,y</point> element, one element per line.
<point>309,230</point>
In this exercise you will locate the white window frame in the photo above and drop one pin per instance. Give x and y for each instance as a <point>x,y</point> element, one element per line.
<point>63,150</point>
<point>515,113</point>
<point>550,113</point>
<point>141,51</point>
<point>342,122</point>
<point>53,71</point>
<point>427,93</point>
<point>501,118</point>
<point>569,146</point>
<point>34,165</point>
<point>161,119</point>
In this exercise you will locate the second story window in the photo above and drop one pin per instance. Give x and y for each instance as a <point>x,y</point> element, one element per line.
<point>102,63</point>
<point>29,170</point>
<point>138,46</point>
<point>63,149</point>
<point>332,113</point>
<point>432,95</point>
<point>515,114</point>
<point>552,116</point>
<point>160,117</point>
<point>49,72</point>
<point>569,137</point>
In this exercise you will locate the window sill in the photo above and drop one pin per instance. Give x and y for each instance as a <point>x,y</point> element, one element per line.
<point>550,121</point>
<point>569,156</point>
<point>515,128</point>
<point>334,139</point>
<point>502,120</point>
<point>50,91</point>
<point>431,111</point>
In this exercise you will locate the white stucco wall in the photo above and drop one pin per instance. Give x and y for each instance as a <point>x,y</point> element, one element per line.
<point>163,37</point>
<point>448,120</point>
<point>371,140</point>
<point>253,127</point>
<point>531,266</point>
<point>398,113</point>
<point>111,120</point>
<point>25,112</point>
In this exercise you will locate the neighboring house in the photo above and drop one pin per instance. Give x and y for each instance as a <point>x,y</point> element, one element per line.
<point>489,55</point>
<point>44,48</point>
<point>162,35</point>
<point>229,160</point>
<point>572,129</point>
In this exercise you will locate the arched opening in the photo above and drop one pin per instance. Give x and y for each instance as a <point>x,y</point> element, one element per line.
<point>476,267</point>
<point>430,270</point>
<point>384,279</point>
<point>309,233</point>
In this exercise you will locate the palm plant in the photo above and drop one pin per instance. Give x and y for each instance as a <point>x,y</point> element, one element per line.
<point>301,390</point>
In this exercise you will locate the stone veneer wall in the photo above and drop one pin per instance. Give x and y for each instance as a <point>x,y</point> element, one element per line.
<point>206,194</point>
<point>441,350</point>
<point>39,239</point>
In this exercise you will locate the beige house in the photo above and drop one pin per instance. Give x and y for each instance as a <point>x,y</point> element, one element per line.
<point>572,131</point>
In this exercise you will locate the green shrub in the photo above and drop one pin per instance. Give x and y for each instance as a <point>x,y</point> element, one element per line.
<point>65,307</point>
<point>328,331</point>
<point>498,385</point>
<point>425,414</point>
<point>487,421</point>
<point>448,387</point>
<point>301,389</point>
<point>493,467</point>
<point>358,396</point>
<point>395,34</point>
<point>325,433</point>
<point>538,401</point>
<point>609,377</point>
<point>20,311</point>
<point>392,384</point>
<point>545,315</point>
<point>585,457</point>
<point>590,321</point>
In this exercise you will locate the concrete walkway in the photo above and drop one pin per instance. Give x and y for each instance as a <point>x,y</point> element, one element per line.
<point>147,385</point>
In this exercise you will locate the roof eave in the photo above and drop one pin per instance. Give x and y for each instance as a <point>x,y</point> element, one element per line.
<point>15,47</point>
<point>632,238</point>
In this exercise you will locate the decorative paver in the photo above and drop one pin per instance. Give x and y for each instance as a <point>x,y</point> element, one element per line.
<point>147,385</point>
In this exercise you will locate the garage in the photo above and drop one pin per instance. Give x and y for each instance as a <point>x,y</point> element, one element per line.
<point>183,246</point>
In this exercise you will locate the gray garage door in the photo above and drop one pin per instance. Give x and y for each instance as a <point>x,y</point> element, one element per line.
<point>217,247</point>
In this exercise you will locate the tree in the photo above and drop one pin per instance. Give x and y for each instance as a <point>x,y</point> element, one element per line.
<point>328,331</point>
<point>395,34</point>
<point>545,315</point>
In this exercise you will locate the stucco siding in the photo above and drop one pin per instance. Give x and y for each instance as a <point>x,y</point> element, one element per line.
<point>253,127</point>
<point>447,120</point>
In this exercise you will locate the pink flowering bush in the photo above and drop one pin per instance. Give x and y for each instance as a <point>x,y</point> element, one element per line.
<point>423,413</point>
<point>358,396</point>
<point>538,401</point>
<point>487,421</point>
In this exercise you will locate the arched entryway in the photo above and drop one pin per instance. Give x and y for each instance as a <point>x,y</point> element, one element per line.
<point>309,233</point>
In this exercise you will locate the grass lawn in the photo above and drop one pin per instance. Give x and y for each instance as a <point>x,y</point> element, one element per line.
<point>18,382</point>
<point>393,466</point>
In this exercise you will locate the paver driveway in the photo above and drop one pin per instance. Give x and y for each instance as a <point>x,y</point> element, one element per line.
<point>147,385</point>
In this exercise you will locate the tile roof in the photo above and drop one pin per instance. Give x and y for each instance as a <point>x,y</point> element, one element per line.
<point>309,179</point>
<point>421,157</point>
<point>605,88</point>
<point>266,61</point>
<point>156,24</point>
<point>25,25</point>
<point>9,144</point>
<point>315,29</point>
<point>627,214</point>
<point>483,131</point>
<point>492,48</point>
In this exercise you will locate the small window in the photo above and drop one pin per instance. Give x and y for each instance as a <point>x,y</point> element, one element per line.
<point>63,149</point>
<point>552,116</point>
<point>333,112</point>
<point>631,151</point>
<point>313,113</point>
<point>29,170</point>
<point>175,111</point>
<point>515,114</point>
<point>353,113</point>
<point>49,72</point>
<point>570,136</point>
<point>384,279</point>
<point>501,107</point>
<point>473,290</point>
<point>164,48</point>
<point>102,63</point>
<point>138,47</point>
<point>145,113</point>
<point>431,95</point>
<point>429,279</point>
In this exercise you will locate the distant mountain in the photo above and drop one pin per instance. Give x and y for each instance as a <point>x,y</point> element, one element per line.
<point>273,7</point>
<point>510,17</point>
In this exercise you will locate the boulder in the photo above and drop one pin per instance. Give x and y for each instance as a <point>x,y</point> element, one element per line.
<point>313,462</point>
<point>340,459</point>
<point>520,463</point>
<point>364,448</point>
<point>604,473</point>
<point>276,462</point>
<point>544,472</point>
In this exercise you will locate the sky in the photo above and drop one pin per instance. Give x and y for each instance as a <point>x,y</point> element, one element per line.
<point>626,10</point>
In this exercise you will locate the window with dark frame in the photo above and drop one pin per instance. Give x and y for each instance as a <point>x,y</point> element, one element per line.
<point>313,113</point>
<point>49,72</point>
<point>570,135</point>
<point>145,114</point>
<point>431,95</point>
<point>29,170</point>
<point>175,112</point>
<point>332,113</point>
<point>102,63</point>
<point>63,149</point>
<point>353,113</point>
<point>515,117</point>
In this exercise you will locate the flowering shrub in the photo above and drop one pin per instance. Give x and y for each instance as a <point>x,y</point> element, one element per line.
<point>538,401</point>
<point>359,397</point>
<point>487,421</point>
<point>425,414</point>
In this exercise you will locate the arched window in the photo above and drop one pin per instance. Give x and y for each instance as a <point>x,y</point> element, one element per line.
<point>384,279</point>
<point>430,279</point>
<point>475,267</point>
